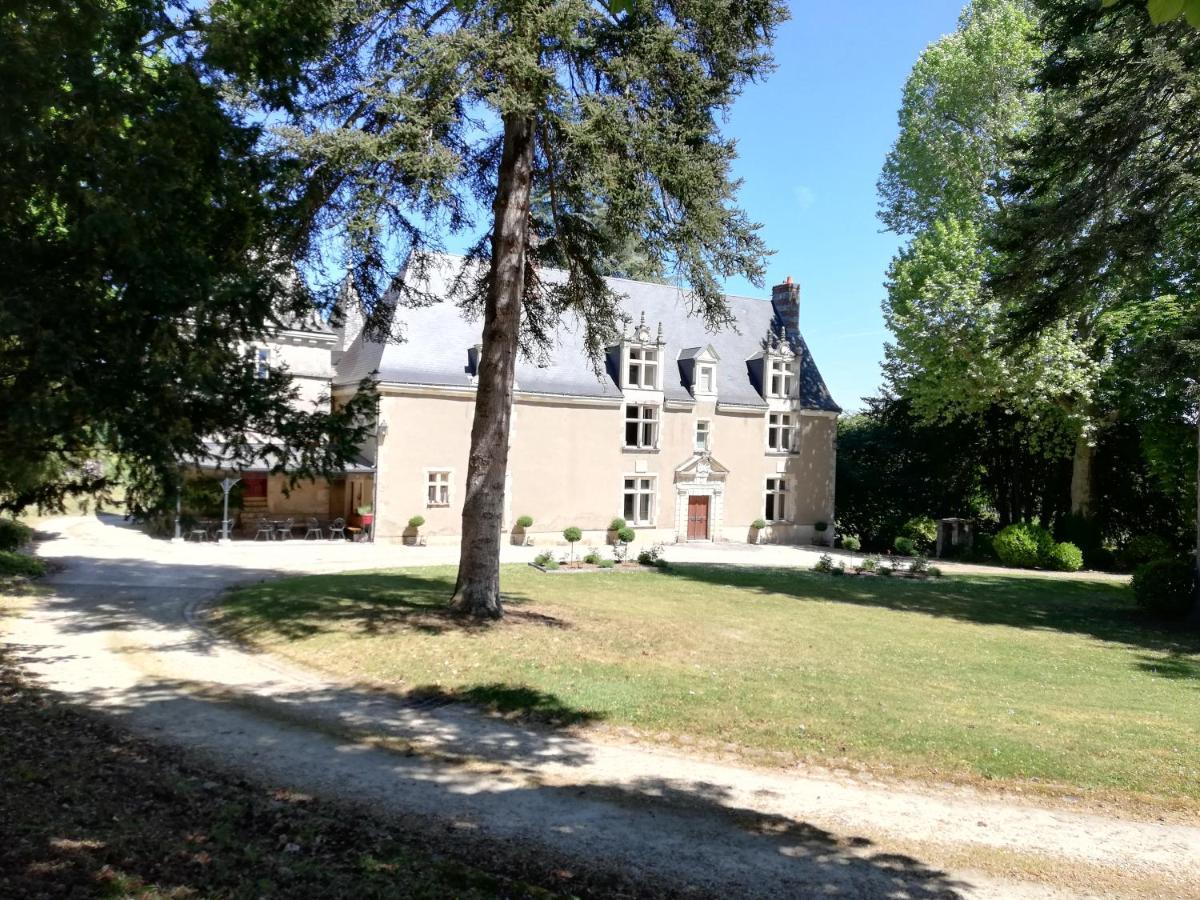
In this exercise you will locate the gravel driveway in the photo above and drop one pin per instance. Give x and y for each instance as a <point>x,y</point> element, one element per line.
<point>123,631</point>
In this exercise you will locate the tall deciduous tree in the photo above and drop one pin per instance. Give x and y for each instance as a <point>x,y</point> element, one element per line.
<point>136,229</point>
<point>423,117</point>
<point>1107,186</point>
<point>968,97</point>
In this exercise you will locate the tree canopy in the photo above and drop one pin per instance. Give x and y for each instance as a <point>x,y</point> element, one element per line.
<point>137,222</point>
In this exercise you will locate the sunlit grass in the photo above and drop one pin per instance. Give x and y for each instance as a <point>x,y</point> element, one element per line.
<point>1017,680</point>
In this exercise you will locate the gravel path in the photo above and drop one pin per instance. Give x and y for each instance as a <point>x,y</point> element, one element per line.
<point>123,630</point>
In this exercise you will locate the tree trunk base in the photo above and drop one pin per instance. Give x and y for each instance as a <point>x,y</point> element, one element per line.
<point>477,601</point>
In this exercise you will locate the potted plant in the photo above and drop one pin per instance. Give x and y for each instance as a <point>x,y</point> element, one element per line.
<point>572,535</point>
<point>757,527</point>
<point>614,530</point>
<point>521,531</point>
<point>411,533</point>
<point>625,537</point>
<point>819,536</point>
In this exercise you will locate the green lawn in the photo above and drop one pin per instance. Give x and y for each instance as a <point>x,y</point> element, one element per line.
<point>1053,684</point>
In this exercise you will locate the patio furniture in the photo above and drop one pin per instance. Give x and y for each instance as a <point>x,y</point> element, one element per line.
<point>314,529</point>
<point>337,529</point>
<point>284,529</point>
<point>265,529</point>
<point>198,532</point>
<point>355,534</point>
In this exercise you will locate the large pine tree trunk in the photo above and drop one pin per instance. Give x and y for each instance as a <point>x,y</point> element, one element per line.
<point>477,591</point>
<point>1193,618</point>
<point>1082,489</point>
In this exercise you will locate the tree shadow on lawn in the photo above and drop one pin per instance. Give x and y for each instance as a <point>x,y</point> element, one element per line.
<point>1176,667</point>
<point>370,604</point>
<point>1098,609</point>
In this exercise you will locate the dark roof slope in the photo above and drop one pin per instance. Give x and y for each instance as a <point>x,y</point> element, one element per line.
<point>439,338</point>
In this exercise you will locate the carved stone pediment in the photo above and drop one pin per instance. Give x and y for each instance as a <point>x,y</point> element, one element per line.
<point>700,468</point>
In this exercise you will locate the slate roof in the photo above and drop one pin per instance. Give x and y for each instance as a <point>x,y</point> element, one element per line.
<point>439,337</point>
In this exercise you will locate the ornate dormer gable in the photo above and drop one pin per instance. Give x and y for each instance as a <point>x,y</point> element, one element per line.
<point>698,368</point>
<point>779,365</point>
<point>642,357</point>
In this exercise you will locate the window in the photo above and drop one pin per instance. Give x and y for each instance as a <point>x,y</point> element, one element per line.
<point>705,380</point>
<point>438,488</point>
<point>776,506</point>
<point>639,500</point>
<point>641,426</point>
<point>779,432</point>
<point>643,368</point>
<point>262,360</point>
<point>781,378</point>
<point>702,435</point>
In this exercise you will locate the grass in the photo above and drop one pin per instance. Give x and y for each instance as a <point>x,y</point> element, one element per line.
<point>1044,685</point>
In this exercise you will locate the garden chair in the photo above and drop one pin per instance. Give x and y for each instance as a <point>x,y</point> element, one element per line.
<point>198,532</point>
<point>284,529</point>
<point>314,528</point>
<point>265,529</point>
<point>337,529</point>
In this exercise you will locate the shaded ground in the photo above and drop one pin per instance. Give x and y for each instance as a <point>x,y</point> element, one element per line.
<point>90,810</point>
<point>120,634</point>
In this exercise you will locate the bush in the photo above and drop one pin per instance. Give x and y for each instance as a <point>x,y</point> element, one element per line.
<point>524,521</point>
<point>542,558</point>
<point>904,546</point>
<point>922,531</point>
<point>935,572</point>
<point>416,521</point>
<point>758,524</point>
<point>14,534</point>
<point>592,559</point>
<point>617,525</point>
<point>982,550</point>
<point>824,565</point>
<point>919,566</point>
<point>851,542</point>
<point>870,564</point>
<point>1064,557</point>
<point>18,564</point>
<point>653,557</point>
<point>1023,545</point>
<point>605,563</point>
<point>551,564</point>
<point>1164,586</point>
<point>626,535</point>
<point>1144,548</point>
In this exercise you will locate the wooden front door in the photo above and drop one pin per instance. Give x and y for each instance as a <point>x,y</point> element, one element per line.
<point>697,517</point>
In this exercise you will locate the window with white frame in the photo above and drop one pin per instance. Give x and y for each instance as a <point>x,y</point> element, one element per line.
<point>639,500</point>
<point>780,432</point>
<point>438,488</point>
<point>780,381</point>
<point>642,371</point>
<point>641,426</point>
<point>262,361</point>
<point>706,379</point>
<point>776,500</point>
<point>703,435</point>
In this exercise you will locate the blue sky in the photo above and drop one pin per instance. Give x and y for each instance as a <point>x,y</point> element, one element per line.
<point>812,139</point>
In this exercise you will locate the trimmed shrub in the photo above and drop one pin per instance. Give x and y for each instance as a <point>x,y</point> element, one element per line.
<point>626,535</point>
<point>1164,586</point>
<point>904,546</point>
<point>851,542</point>
<point>18,564</point>
<point>758,524</point>
<point>935,572</point>
<point>1064,557</point>
<point>550,564</point>
<point>919,566</point>
<point>1144,548</point>
<point>14,534</point>
<point>1023,545</point>
<point>592,559</point>
<point>416,521</point>
<point>542,558</point>
<point>524,521</point>
<point>870,564</point>
<point>617,525</point>
<point>922,531</point>
<point>653,557</point>
<point>824,565</point>
<point>606,563</point>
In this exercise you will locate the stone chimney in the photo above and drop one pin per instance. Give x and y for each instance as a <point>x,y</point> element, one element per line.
<point>786,300</point>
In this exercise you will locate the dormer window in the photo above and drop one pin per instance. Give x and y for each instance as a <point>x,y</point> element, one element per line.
<point>780,377</point>
<point>706,379</point>
<point>642,370</point>
<point>698,369</point>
